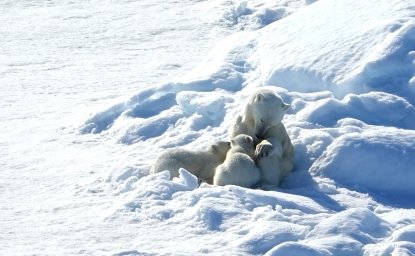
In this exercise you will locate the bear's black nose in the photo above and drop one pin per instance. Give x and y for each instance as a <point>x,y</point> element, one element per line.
<point>258,136</point>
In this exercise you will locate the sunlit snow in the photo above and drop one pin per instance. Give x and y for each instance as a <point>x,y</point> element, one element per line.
<point>94,91</point>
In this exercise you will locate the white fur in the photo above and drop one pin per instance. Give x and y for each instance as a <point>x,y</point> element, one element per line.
<point>239,167</point>
<point>202,164</point>
<point>261,119</point>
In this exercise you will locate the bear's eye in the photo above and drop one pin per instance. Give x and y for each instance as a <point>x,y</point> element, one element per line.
<point>262,120</point>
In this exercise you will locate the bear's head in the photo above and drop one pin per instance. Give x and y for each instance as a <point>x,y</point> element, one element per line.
<point>267,110</point>
<point>220,149</point>
<point>244,142</point>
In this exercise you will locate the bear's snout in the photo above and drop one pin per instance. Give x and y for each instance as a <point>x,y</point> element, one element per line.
<point>259,137</point>
<point>260,131</point>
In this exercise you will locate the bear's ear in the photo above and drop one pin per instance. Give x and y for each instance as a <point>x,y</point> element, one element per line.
<point>249,139</point>
<point>285,106</point>
<point>259,97</point>
<point>214,148</point>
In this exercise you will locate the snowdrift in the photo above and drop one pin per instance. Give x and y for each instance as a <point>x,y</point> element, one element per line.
<point>348,70</point>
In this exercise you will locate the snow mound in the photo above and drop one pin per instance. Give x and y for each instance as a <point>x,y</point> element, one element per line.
<point>207,106</point>
<point>376,56</point>
<point>378,160</point>
<point>295,248</point>
<point>263,236</point>
<point>343,233</point>
<point>186,179</point>
<point>359,224</point>
<point>404,234</point>
<point>255,14</point>
<point>184,212</point>
<point>374,108</point>
<point>391,63</point>
<point>158,188</point>
<point>400,243</point>
<point>157,114</point>
<point>247,222</point>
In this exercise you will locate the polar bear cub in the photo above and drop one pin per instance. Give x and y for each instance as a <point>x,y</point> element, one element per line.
<point>200,163</point>
<point>239,167</point>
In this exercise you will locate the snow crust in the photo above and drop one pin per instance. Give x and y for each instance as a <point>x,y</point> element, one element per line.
<point>347,68</point>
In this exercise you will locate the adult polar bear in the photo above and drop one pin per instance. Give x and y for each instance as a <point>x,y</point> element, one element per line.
<point>262,120</point>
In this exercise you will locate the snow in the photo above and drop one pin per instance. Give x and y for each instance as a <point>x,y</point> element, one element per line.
<point>353,159</point>
<point>252,15</point>
<point>93,92</point>
<point>372,52</point>
<point>376,108</point>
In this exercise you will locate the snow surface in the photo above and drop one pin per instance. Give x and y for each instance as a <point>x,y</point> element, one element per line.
<point>73,184</point>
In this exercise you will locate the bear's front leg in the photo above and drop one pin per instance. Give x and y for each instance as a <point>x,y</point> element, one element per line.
<point>268,147</point>
<point>270,168</point>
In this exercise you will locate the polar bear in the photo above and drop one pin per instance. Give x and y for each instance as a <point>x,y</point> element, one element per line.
<point>262,119</point>
<point>200,163</point>
<point>239,167</point>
